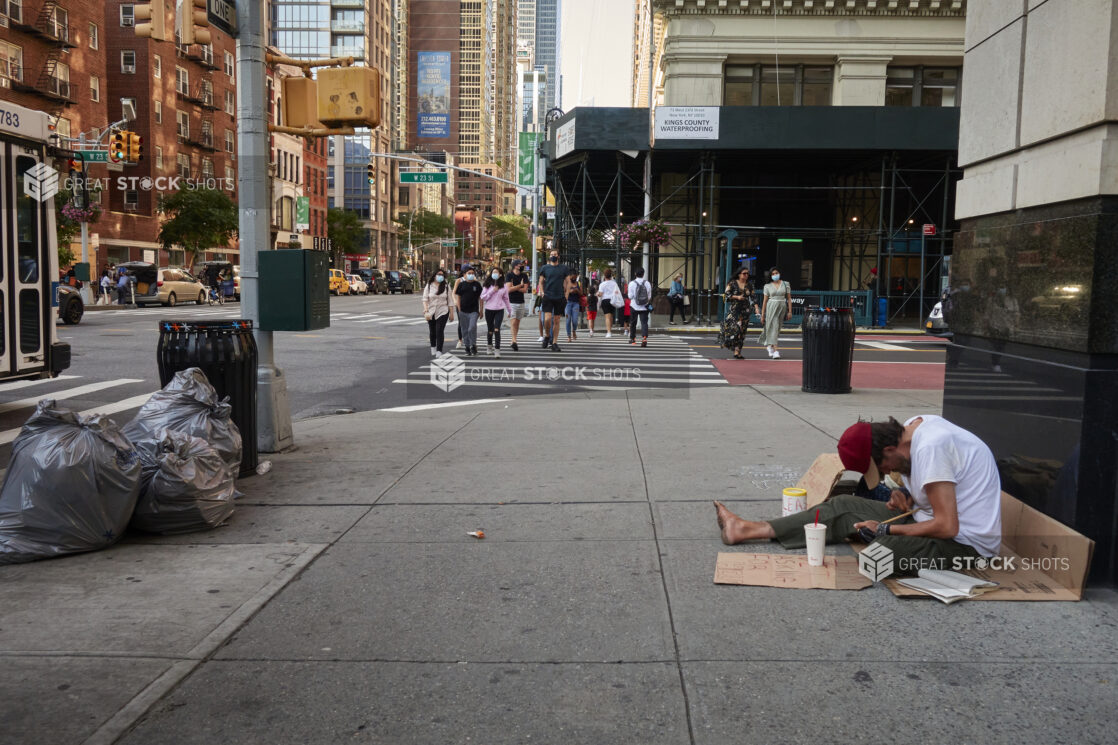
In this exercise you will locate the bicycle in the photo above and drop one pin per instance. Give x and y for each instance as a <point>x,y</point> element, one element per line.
<point>214,296</point>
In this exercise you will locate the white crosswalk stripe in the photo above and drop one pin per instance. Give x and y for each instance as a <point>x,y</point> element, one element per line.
<point>585,364</point>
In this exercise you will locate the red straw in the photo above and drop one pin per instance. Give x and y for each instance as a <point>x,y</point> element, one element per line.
<point>817,517</point>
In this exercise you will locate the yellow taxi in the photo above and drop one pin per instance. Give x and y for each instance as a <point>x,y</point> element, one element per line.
<point>339,285</point>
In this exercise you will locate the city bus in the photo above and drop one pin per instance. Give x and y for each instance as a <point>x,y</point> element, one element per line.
<point>29,346</point>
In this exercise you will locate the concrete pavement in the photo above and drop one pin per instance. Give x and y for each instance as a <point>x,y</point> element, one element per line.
<point>345,602</point>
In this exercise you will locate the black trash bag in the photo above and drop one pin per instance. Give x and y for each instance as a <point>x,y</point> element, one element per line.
<point>189,404</point>
<point>71,486</point>
<point>185,485</point>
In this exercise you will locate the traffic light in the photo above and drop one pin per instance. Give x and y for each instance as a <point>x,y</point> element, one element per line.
<point>117,147</point>
<point>372,171</point>
<point>349,97</point>
<point>155,14</point>
<point>76,166</point>
<point>195,25</point>
<point>134,147</point>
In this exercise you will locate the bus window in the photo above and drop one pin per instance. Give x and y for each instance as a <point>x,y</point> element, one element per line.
<point>30,337</point>
<point>27,226</point>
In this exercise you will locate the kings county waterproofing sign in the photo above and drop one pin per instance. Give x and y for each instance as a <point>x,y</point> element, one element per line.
<point>687,123</point>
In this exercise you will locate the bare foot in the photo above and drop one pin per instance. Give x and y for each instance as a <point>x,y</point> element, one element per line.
<point>736,530</point>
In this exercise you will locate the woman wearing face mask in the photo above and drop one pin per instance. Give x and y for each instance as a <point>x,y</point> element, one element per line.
<point>468,301</point>
<point>436,309</point>
<point>775,310</point>
<point>495,298</point>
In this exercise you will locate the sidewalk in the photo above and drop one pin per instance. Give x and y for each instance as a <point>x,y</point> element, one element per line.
<point>344,601</point>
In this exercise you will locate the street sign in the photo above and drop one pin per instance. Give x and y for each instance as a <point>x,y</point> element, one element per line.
<point>450,244</point>
<point>222,14</point>
<point>929,229</point>
<point>421,177</point>
<point>94,156</point>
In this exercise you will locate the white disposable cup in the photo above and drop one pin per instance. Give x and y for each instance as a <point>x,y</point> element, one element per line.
<point>793,500</point>
<point>815,534</point>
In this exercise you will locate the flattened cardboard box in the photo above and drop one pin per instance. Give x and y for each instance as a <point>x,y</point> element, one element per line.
<point>1050,559</point>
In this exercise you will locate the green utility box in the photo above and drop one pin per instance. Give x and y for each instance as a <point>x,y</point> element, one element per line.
<point>81,271</point>
<point>294,290</point>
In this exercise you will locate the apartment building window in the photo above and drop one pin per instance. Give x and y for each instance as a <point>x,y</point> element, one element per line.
<point>60,24</point>
<point>131,199</point>
<point>182,80</point>
<point>183,124</point>
<point>94,88</point>
<point>94,36</point>
<point>228,140</point>
<point>182,165</point>
<point>128,61</point>
<point>11,64</point>
<point>229,64</point>
<point>127,15</point>
<point>60,82</point>
<point>62,127</point>
<point>787,85</point>
<point>208,134</point>
<point>158,112</point>
<point>158,158</point>
<point>230,102</point>
<point>229,176</point>
<point>207,93</point>
<point>207,169</point>
<point>156,66</point>
<point>922,86</point>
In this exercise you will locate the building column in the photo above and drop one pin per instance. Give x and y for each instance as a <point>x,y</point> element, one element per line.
<point>860,81</point>
<point>1034,363</point>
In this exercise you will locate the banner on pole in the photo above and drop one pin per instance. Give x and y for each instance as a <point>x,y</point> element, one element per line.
<point>302,213</point>
<point>526,158</point>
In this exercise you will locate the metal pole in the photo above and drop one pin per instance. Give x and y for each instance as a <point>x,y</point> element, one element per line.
<point>923,239</point>
<point>86,291</point>
<point>272,412</point>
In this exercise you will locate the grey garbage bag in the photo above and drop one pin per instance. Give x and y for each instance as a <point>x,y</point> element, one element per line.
<point>185,485</point>
<point>71,486</point>
<point>189,404</point>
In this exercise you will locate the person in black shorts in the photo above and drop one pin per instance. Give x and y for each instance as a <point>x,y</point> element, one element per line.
<point>554,285</point>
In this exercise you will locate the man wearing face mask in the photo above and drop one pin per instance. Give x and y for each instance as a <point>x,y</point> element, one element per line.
<point>517,283</point>
<point>554,285</point>
<point>467,298</point>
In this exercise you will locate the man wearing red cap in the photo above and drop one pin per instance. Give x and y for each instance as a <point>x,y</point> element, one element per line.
<point>950,472</point>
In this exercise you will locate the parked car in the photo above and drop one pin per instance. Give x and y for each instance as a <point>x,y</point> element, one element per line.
<point>70,305</point>
<point>399,282</point>
<point>169,286</point>
<point>339,285</point>
<point>374,278</point>
<point>357,285</point>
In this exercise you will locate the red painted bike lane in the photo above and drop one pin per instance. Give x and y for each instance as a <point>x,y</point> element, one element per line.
<point>887,375</point>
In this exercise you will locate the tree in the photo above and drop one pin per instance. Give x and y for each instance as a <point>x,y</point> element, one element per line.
<point>509,232</point>
<point>426,226</point>
<point>345,230</point>
<point>199,219</point>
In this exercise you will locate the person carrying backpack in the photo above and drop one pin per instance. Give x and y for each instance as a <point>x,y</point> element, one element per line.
<point>640,293</point>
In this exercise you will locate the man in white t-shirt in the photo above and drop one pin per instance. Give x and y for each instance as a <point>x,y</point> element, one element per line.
<point>640,289</point>
<point>950,473</point>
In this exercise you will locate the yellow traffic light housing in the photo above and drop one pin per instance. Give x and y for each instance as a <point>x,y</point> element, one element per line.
<point>76,165</point>
<point>300,103</point>
<point>349,96</point>
<point>117,147</point>
<point>194,26</point>
<point>372,171</point>
<point>134,147</point>
<point>155,14</point>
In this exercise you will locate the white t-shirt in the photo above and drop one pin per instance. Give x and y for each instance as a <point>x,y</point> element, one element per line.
<point>633,287</point>
<point>942,451</point>
<point>608,289</point>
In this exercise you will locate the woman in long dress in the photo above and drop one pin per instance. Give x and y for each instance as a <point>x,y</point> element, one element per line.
<point>776,308</point>
<point>739,308</point>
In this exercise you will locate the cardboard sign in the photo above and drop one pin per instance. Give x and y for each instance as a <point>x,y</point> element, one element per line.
<point>821,478</point>
<point>788,570</point>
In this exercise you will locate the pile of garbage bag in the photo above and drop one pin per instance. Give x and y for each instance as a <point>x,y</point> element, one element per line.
<point>76,483</point>
<point>71,486</point>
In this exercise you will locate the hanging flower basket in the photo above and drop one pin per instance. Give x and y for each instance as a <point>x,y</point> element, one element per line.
<point>81,214</point>
<point>654,232</point>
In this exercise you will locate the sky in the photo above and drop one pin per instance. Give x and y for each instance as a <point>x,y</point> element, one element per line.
<point>597,52</point>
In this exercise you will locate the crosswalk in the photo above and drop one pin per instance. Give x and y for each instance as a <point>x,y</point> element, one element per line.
<point>989,387</point>
<point>587,364</point>
<point>119,396</point>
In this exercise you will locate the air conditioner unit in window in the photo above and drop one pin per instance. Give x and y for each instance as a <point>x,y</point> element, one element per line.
<point>130,69</point>
<point>3,21</point>
<point>127,21</point>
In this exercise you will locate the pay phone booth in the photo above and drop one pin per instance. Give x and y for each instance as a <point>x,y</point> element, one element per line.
<point>29,346</point>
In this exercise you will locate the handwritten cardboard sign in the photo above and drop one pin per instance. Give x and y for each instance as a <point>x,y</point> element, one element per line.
<point>788,570</point>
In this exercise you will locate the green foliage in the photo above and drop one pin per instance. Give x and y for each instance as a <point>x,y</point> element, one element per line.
<point>509,231</point>
<point>344,229</point>
<point>198,219</point>
<point>65,229</point>
<point>426,226</point>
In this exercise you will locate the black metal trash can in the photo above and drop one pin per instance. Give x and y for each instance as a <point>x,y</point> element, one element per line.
<point>226,352</point>
<point>828,339</point>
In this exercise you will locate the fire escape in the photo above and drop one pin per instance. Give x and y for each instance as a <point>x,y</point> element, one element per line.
<point>55,33</point>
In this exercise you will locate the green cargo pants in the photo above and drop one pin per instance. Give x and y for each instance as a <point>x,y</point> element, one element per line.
<point>910,553</point>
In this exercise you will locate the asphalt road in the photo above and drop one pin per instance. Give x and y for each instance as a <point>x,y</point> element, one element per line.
<point>375,355</point>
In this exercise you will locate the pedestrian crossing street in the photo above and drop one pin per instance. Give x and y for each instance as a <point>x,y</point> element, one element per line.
<point>587,364</point>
